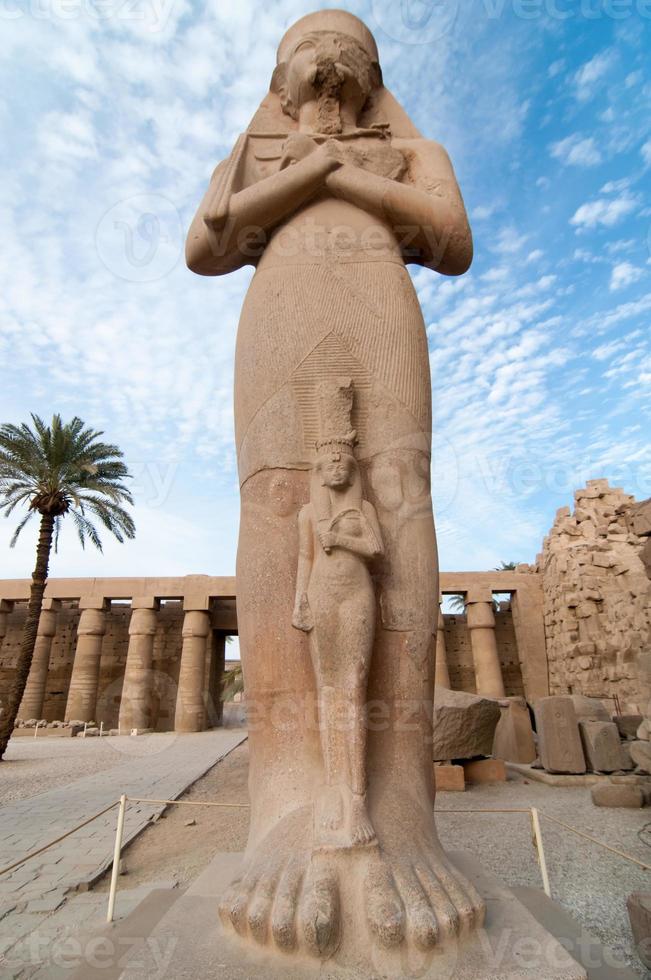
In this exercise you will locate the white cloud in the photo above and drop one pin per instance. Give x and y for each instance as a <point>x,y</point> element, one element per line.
<point>482,212</point>
<point>591,74</point>
<point>615,186</point>
<point>508,241</point>
<point>603,211</point>
<point>576,151</point>
<point>624,274</point>
<point>646,153</point>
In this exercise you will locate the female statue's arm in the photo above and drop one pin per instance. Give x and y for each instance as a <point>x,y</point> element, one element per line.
<point>302,615</point>
<point>427,215</point>
<point>369,543</point>
<point>218,243</point>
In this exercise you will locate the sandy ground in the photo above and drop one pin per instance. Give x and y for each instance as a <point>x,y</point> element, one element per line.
<point>35,765</point>
<point>170,849</point>
<point>588,881</point>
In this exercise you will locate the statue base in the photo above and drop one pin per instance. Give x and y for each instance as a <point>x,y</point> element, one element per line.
<point>513,945</point>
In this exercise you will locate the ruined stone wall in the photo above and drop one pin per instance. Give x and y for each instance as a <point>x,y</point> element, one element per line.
<point>459,653</point>
<point>597,599</point>
<point>167,659</point>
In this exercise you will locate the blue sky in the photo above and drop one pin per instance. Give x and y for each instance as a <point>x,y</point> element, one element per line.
<point>113,116</point>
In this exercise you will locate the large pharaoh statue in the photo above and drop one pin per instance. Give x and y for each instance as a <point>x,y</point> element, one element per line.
<point>329,193</point>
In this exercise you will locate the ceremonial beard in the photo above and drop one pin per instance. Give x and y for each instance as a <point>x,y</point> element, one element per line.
<point>328,83</point>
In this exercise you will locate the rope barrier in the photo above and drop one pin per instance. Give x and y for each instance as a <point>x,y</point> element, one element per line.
<point>580,833</point>
<point>536,833</point>
<point>134,799</point>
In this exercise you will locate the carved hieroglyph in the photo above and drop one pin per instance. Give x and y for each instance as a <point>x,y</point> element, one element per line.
<point>329,193</point>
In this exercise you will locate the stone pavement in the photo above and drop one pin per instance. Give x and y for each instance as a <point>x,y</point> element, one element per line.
<point>156,766</point>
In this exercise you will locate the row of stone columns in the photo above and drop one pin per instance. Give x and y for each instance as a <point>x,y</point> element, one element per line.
<point>485,655</point>
<point>136,698</point>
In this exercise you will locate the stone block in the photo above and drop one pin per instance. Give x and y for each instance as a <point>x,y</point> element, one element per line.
<point>603,560</point>
<point>464,725</point>
<point>639,913</point>
<point>559,742</point>
<point>623,795</point>
<point>485,771</point>
<point>627,725</point>
<point>602,747</point>
<point>641,755</point>
<point>589,709</point>
<point>514,741</point>
<point>643,732</point>
<point>449,779</point>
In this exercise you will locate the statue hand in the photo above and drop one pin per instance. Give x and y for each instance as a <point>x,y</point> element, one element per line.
<point>328,540</point>
<point>296,147</point>
<point>302,615</point>
<point>332,151</point>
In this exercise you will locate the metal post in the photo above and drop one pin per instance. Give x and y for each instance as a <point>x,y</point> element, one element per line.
<point>537,836</point>
<point>101,728</point>
<point>115,871</point>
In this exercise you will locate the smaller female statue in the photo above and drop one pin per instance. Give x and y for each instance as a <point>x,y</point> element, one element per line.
<point>335,603</point>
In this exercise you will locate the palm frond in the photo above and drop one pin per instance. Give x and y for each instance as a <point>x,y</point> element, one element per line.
<point>21,525</point>
<point>65,468</point>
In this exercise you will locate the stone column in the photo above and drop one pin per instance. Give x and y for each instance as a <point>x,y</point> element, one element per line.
<point>32,704</point>
<point>529,626</point>
<point>219,664</point>
<point>135,703</point>
<point>481,623</point>
<point>190,706</point>
<point>5,608</point>
<point>441,673</point>
<point>82,694</point>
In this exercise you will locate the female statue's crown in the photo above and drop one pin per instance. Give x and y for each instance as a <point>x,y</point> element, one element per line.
<point>337,21</point>
<point>335,405</point>
<point>337,444</point>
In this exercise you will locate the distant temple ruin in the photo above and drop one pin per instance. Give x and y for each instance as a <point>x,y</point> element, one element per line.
<point>150,652</point>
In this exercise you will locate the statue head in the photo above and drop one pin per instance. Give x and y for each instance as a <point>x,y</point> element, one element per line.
<point>336,469</point>
<point>328,58</point>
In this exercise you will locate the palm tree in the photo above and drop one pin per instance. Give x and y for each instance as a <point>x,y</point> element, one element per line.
<point>506,566</point>
<point>232,683</point>
<point>458,604</point>
<point>57,470</point>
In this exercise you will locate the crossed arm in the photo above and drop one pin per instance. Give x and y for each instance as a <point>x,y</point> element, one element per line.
<point>427,215</point>
<point>367,545</point>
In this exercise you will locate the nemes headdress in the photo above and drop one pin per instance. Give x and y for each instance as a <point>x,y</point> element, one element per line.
<point>381,109</point>
<point>332,21</point>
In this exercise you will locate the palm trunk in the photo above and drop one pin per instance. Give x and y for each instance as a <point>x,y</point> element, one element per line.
<point>39,578</point>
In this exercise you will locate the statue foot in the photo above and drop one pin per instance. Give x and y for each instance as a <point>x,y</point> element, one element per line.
<point>361,828</point>
<point>332,808</point>
<point>420,897</point>
<point>288,896</point>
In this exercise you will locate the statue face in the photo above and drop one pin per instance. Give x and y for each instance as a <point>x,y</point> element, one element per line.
<point>329,65</point>
<point>336,470</point>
